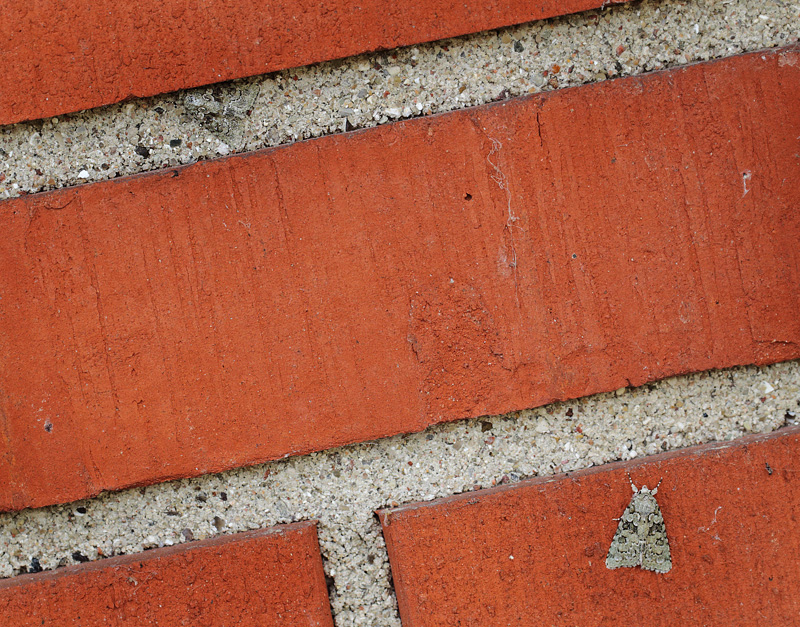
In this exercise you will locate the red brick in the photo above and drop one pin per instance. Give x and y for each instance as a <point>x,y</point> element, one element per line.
<point>373,283</point>
<point>534,553</point>
<point>267,577</point>
<point>57,57</point>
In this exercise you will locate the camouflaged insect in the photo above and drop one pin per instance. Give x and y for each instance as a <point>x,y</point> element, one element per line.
<point>641,538</point>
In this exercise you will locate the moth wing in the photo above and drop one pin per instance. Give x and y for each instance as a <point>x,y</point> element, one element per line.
<point>625,548</point>
<point>655,548</point>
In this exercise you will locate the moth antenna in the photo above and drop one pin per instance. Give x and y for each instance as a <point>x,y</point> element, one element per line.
<point>633,485</point>
<point>658,484</point>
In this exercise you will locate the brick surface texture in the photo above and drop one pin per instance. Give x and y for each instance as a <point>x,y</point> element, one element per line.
<point>58,57</point>
<point>264,578</point>
<point>367,284</point>
<point>534,553</point>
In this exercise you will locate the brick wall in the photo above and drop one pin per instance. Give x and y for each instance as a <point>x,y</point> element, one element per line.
<point>361,286</point>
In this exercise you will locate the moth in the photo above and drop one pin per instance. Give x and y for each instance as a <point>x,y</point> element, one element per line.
<point>641,537</point>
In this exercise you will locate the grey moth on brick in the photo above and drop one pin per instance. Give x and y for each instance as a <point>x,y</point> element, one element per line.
<point>641,538</point>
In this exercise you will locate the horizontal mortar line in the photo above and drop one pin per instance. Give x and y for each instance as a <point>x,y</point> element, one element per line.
<point>252,288</point>
<point>62,58</point>
<point>630,466</point>
<point>371,90</point>
<point>343,487</point>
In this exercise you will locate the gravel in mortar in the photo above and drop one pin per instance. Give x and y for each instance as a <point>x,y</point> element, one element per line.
<point>364,91</point>
<point>342,487</point>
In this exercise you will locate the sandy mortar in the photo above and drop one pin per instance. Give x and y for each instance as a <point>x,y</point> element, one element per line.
<point>341,488</point>
<point>368,90</point>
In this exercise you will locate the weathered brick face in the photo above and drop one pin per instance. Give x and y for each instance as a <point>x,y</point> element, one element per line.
<point>369,284</point>
<point>535,553</point>
<point>272,577</point>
